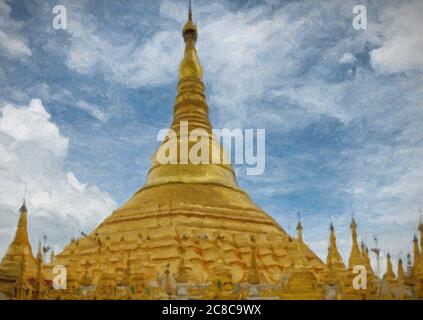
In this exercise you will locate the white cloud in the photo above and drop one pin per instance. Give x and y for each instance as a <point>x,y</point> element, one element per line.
<point>402,41</point>
<point>319,99</point>
<point>32,124</point>
<point>153,63</point>
<point>347,57</point>
<point>386,184</point>
<point>11,42</point>
<point>250,52</point>
<point>245,53</point>
<point>94,110</point>
<point>32,156</point>
<point>14,46</point>
<point>74,182</point>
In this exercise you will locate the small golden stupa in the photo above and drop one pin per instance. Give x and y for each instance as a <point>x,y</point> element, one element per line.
<point>18,268</point>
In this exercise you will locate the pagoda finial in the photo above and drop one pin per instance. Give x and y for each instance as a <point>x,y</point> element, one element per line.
<point>190,66</point>
<point>332,235</point>
<point>354,232</point>
<point>353,224</point>
<point>190,29</point>
<point>23,206</point>
<point>299,228</point>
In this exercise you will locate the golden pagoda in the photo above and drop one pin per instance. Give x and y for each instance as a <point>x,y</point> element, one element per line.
<point>18,269</point>
<point>195,208</point>
<point>402,291</point>
<point>389,280</point>
<point>192,233</point>
<point>389,275</point>
<point>334,259</point>
<point>336,269</point>
<point>356,259</point>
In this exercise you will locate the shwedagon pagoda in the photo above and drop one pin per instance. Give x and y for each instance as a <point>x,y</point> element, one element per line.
<point>191,233</point>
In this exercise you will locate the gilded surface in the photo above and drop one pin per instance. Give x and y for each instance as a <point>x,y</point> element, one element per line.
<point>191,232</point>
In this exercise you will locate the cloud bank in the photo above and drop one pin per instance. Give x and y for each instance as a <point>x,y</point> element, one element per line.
<point>33,152</point>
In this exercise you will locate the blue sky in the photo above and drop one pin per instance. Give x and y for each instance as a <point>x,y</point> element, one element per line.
<point>342,108</point>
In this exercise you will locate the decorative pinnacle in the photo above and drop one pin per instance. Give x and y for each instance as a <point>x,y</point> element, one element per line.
<point>353,224</point>
<point>190,29</point>
<point>39,252</point>
<point>23,207</point>
<point>299,225</point>
<point>332,236</point>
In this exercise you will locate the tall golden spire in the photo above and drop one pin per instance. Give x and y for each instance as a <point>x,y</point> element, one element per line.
<point>190,113</point>
<point>21,236</point>
<point>21,239</point>
<point>334,259</point>
<point>389,275</point>
<point>355,257</point>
